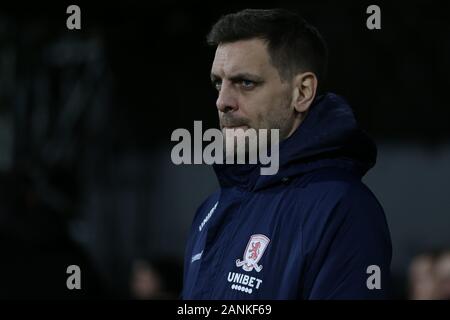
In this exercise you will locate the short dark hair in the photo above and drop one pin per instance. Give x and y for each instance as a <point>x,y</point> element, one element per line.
<point>294,45</point>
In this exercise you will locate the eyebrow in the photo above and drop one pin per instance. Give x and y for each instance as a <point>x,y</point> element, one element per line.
<point>239,76</point>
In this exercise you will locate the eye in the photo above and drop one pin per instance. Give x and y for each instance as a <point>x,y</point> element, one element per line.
<point>217,84</point>
<point>247,84</point>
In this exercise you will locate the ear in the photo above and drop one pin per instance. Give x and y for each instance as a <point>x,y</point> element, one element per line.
<point>305,87</point>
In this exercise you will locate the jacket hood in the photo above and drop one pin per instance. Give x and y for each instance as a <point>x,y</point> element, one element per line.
<point>328,137</point>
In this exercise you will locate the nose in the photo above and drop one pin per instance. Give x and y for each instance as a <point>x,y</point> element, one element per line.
<point>226,101</point>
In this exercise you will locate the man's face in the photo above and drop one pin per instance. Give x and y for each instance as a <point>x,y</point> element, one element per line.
<point>251,91</point>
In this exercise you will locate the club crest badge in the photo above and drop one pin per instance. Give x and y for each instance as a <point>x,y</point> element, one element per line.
<point>253,253</point>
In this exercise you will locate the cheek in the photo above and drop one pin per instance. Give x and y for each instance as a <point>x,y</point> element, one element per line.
<point>265,107</point>
<point>257,111</point>
<point>274,107</point>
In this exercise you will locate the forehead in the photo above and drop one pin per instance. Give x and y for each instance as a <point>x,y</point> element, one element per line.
<point>241,56</point>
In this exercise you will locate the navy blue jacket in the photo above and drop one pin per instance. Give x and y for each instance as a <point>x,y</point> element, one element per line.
<point>311,231</point>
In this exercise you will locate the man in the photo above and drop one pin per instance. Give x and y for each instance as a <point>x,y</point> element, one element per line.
<point>313,230</point>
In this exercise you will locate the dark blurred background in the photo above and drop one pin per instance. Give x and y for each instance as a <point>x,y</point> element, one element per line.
<point>86,118</point>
